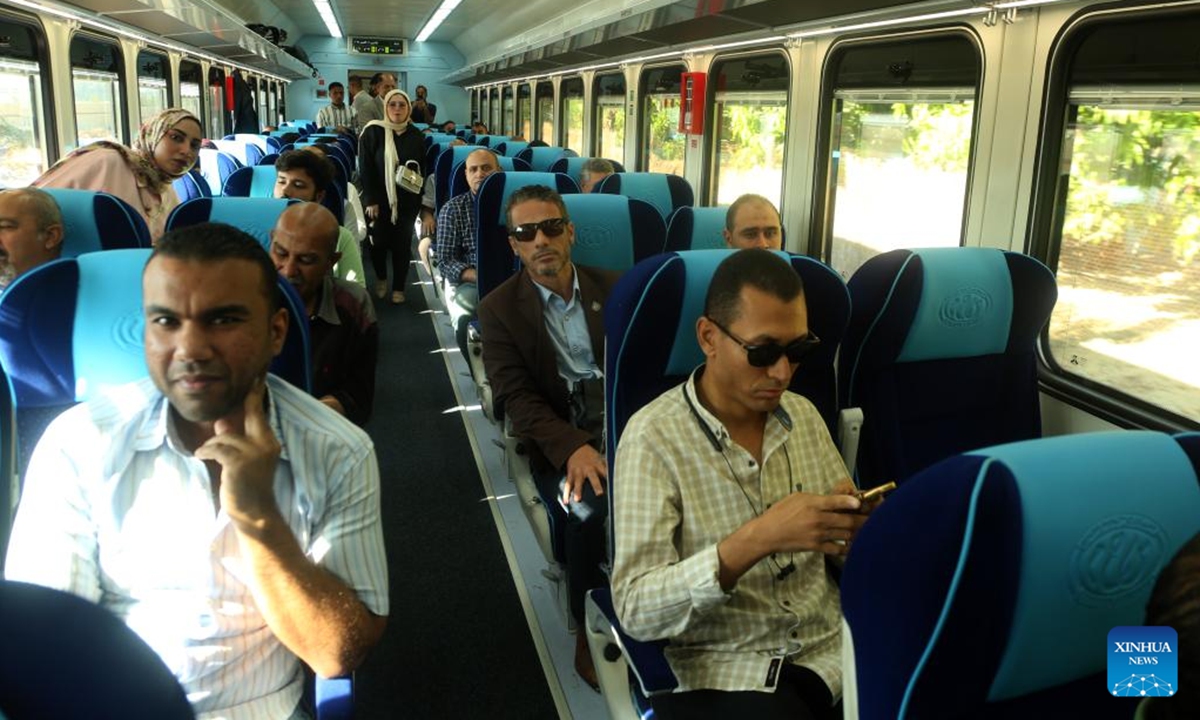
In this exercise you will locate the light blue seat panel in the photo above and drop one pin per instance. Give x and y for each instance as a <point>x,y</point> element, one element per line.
<point>573,165</point>
<point>541,158</point>
<point>97,221</point>
<point>216,166</point>
<point>256,181</point>
<point>255,216</point>
<point>664,191</point>
<point>697,228</point>
<point>507,164</point>
<point>511,148</point>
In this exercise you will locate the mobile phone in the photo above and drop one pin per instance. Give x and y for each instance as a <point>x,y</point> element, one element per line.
<point>876,492</point>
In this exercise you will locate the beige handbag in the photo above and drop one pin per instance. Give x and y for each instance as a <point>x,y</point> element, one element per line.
<point>409,178</point>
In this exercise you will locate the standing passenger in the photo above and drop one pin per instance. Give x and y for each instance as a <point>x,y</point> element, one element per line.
<point>165,149</point>
<point>227,517</point>
<point>337,115</point>
<point>369,106</point>
<point>385,147</point>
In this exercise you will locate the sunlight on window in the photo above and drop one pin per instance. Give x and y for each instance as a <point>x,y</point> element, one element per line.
<point>749,145</point>
<point>1128,312</point>
<point>664,142</point>
<point>22,127</point>
<point>97,105</point>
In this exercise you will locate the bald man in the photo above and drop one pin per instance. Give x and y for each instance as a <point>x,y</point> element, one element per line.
<point>345,335</point>
<point>753,222</point>
<point>31,232</point>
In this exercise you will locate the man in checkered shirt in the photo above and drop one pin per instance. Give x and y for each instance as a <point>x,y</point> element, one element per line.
<point>732,495</point>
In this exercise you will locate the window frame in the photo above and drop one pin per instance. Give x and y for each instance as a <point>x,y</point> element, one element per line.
<point>44,60</point>
<point>538,120</point>
<point>122,103</point>
<point>598,112</point>
<point>1046,216</point>
<point>202,84</point>
<point>162,57</point>
<point>643,140</point>
<point>563,130</point>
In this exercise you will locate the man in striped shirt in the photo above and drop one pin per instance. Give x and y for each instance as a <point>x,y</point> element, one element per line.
<point>337,115</point>
<point>227,517</point>
<point>729,496</point>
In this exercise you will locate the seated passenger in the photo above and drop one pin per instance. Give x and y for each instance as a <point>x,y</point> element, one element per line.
<point>1175,603</point>
<point>449,127</point>
<point>166,148</point>
<point>543,334</point>
<point>227,517</point>
<point>31,232</point>
<point>753,222</point>
<point>306,175</point>
<point>732,496</point>
<point>593,171</point>
<point>345,336</point>
<point>479,128</point>
<point>456,250</point>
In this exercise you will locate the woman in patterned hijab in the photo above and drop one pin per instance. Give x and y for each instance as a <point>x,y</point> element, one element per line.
<point>166,148</point>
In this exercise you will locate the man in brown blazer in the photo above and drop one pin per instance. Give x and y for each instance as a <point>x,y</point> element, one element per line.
<point>543,342</point>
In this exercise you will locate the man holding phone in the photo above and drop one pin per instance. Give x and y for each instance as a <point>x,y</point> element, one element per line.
<point>542,336</point>
<point>732,498</point>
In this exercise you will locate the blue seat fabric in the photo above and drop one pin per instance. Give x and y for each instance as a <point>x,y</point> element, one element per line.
<point>459,184</point>
<point>255,216</point>
<point>665,192</point>
<point>573,165</point>
<point>696,228</point>
<point>97,221</point>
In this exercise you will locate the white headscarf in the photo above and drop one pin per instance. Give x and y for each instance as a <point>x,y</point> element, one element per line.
<point>391,158</point>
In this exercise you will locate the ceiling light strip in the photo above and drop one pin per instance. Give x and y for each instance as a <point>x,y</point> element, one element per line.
<point>439,15</point>
<point>325,10</point>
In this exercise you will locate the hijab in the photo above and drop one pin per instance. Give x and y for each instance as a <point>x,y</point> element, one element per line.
<point>140,158</point>
<point>391,158</point>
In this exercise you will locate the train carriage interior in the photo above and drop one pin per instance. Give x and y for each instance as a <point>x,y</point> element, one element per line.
<point>1005,193</point>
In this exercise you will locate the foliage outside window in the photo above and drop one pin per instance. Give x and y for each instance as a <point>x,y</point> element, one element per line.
<point>610,117</point>
<point>750,145</point>
<point>545,113</point>
<point>97,106</point>
<point>664,143</point>
<point>22,125</point>
<point>1128,311</point>
<point>572,114</point>
<point>510,123</point>
<point>901,172</point>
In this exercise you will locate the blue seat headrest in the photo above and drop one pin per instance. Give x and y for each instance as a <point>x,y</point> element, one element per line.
<point>966,305</point>
<point>603,230</point>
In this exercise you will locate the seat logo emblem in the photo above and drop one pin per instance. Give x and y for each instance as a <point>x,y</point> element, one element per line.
<point>966,307</point>
<point>1116,556</point>
<point>593,236</point>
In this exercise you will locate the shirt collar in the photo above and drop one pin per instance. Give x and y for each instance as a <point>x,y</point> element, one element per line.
<point>327,307</point>
<point>714,424</point>
<point>157,429</point>
<point>546,292</point>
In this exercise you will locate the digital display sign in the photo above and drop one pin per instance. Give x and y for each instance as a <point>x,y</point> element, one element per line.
<point>378,46</point>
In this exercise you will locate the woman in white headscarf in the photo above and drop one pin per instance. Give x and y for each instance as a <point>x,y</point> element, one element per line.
<point>384,146</point>
<point>166,148</point>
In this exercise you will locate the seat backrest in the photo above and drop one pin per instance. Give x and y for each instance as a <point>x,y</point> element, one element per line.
<point>216,166</point>
<point>247,152</point>
<point>449,159</point>
<point>253,181</point>
<point>97,221</point>
<point>73,327</point>
<point>192,185</point>
<point>613,232</point>
<point>1015,564</point>
<point>252,215</point>
<point>541,158</point>
<point>495,261</point>
<point>66,657</point>
<point>511,148</point>
<point>697,228</point>
<point>458,182</point>
<point>650,331</point>
<point>259,141</point>
<point>941,355</point>
<point>664,191</point>
<point>573,165</point>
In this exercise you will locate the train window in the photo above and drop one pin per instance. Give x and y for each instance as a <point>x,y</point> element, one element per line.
<point>609,100</point>
<point>900,116</point>
<point>219,119</point>
<point>750,117</point>
<point>509,127</point>
<point>96,81</point>
<point>152,84</point>
<point>545,112</point>
<point>662,142</point>
<point>264,109</point>
<point>281,108</point>
<point>22,112</point>
<point>494,108</point>
<point>272,105</point>
<point>571,112</point>
<point>190,76</point>
<point>1125,214</point>
<point>474,104</point>
<point>524,112</point>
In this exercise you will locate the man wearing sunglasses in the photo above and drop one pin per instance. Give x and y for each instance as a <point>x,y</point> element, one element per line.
<point>732,497</point>
<point>543,336</point>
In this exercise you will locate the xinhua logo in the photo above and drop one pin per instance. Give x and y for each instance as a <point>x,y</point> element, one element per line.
<point>1143,662</point>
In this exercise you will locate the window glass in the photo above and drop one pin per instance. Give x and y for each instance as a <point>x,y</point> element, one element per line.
<point>22,112</point>
<point>96,81</point>
<point>572,114</point>
<point>474,104</point>
<point>610,116</point>
<point>750,117</point>
<point>545,112</point>
<point>524,112</point>
<point>510,124</point>
<point>1125,230</point>
<point>662,142</point>
<point>152,84</point>
<point>494,126</point>
<point>901,119</point>
<point>272,105</point>
<point>219,119</point>
<point>190,76</point>
<point>264,109</point>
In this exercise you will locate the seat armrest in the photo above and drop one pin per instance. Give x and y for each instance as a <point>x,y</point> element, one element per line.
<point>850,421</point>
<point>646,659</point>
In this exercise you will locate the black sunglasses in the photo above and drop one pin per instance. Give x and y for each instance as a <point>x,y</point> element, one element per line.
<point>768,355</point>
<point>553,227</point>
